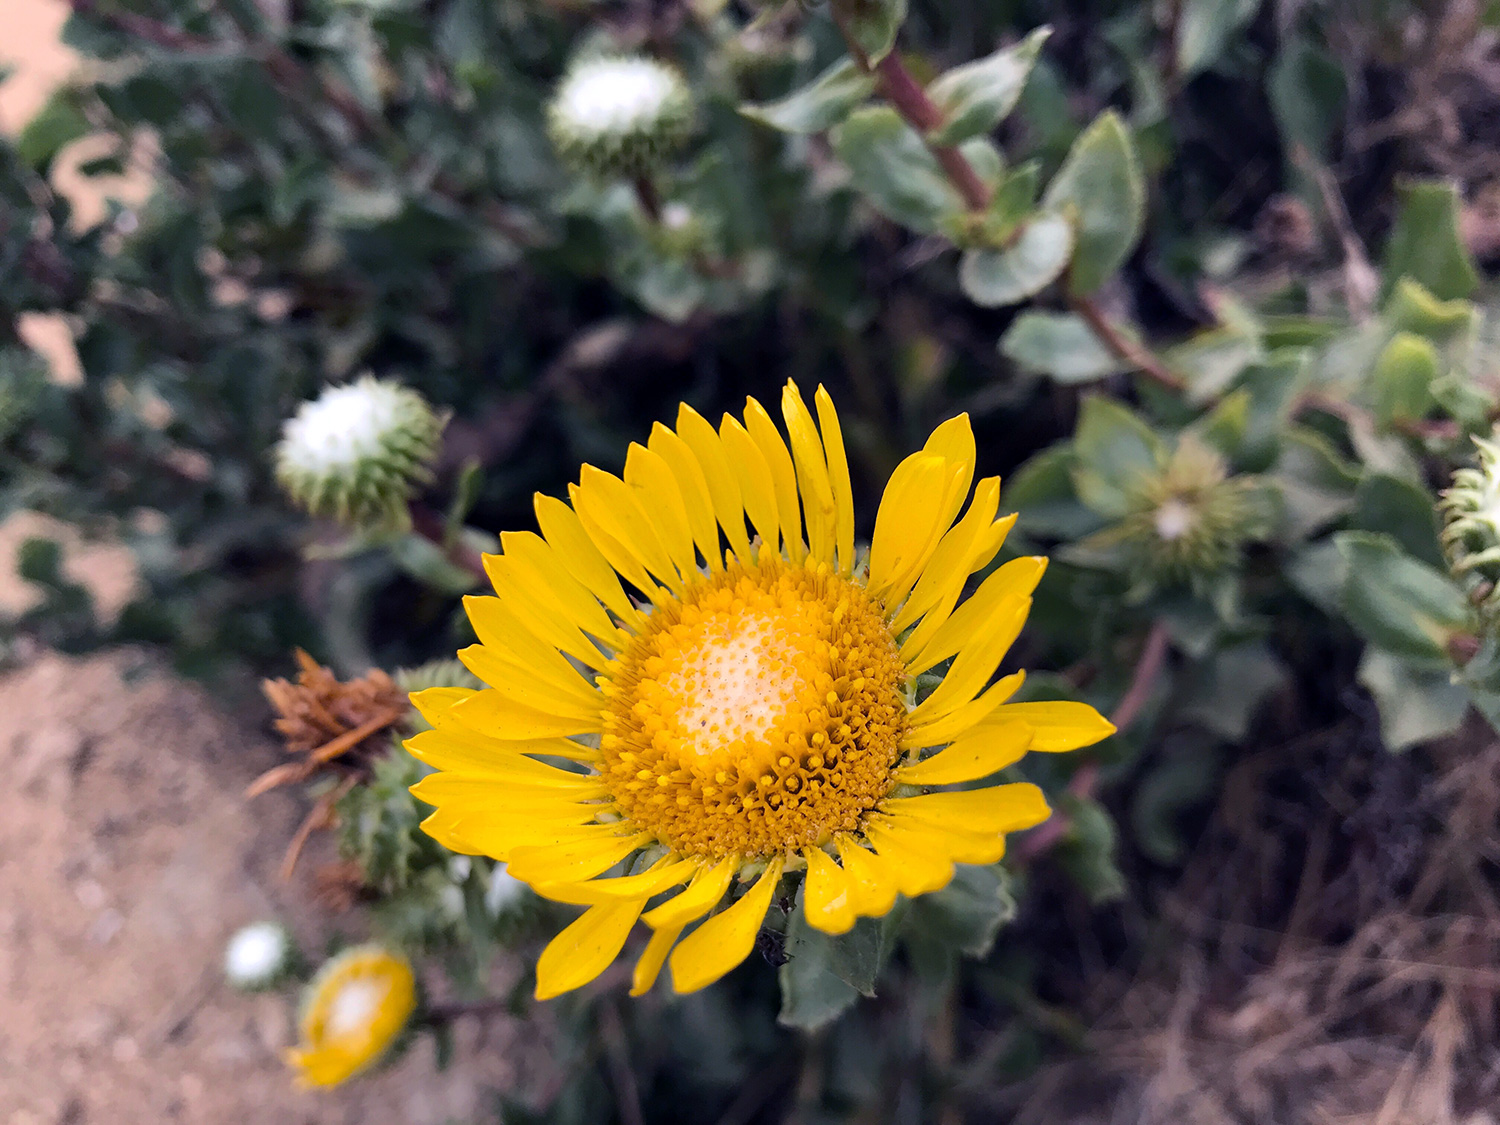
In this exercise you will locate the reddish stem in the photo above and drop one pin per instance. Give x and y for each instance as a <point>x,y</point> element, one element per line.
<point>912,103</point>
<point>1125,349</point>
<point>1147,670</point>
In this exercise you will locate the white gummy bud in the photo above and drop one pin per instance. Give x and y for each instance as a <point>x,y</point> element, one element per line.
<point>257,956</point>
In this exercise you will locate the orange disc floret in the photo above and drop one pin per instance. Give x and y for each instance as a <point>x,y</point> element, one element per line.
<point>761,713</point>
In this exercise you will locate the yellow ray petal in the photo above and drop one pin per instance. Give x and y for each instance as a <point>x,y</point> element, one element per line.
<point>512,789</point>
<point>939,843</point>
<point>908,522</point>
<point>872,884</point>
<point>529,687</point>
<point>585,949</point>
<point>975,663</point>
<point>615,521</point>
<point>500,715</point>
<point>943,729</point>
<point>693,486</point>
<point>723,483</point>
<point>819,509</point>
<point>783,476</point>
<point>477,832</point>
<point>838,479</point>
<point>433,704</point>
<point>953,561</point>
<point>996,808</point>
<point>663,876</point>
<point>701,896</point>
<point>954,442</point>
<point>577,554</point>
<point>1058,726</point>
<point>827,895</point>
<point>520,640</point>
<point>1015,579</point>
<point>726,939</point>
<point>979,754</point>
<point>757,487</point>
<point>572,861</point>
<point>648,968</point>
<point>660,498</point>
<point>443,749</point>
<point>916,870</point>
<point>541,576</point>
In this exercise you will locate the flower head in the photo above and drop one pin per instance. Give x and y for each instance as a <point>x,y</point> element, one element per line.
<point>257,956</point>
<point>1189,520</point>
<point>761,717</point>
<point>619,115</point>
<point>352,1013</point>
<point>358,451</point>
<point>1471,527</point>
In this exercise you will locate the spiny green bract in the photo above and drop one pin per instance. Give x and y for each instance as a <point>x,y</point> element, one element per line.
<point>358,452</point>
<point>1471,528</point>
<point>619,115</point>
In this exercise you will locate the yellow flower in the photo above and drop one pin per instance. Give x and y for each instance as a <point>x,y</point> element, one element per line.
<point>352,1012</point>
<point>760,716</point>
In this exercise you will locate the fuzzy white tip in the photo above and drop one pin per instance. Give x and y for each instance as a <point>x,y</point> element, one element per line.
<point>257,954</point>
<point>1173,519</point>
<point>344,426</point>
<point>615,96</point>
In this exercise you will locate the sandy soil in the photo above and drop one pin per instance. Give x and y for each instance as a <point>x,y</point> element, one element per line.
<point>127,857</point>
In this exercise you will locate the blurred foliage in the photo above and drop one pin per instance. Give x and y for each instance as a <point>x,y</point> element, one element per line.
<point>1133,249</point>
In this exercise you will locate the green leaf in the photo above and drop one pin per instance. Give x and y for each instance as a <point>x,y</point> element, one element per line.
<point>1060,345</point>
<point>1114,450</point>
<point>1425,244</point>
<point>1041,490</point>
<point>1088,852</point>
<point>873,24</point>
<point>1101,181</point>
<point>1317,485</point>
<point>1223,691</point>
<point>812,993</point>
<point>1416,705</point>
<point>56,125</point>
<point>1402,379</point>
<point>1212,360</point>
<point>1205,28</point>
<point>1307,90</point>
<point>977,96</point>
<point>967,914</point>
<point>818,106</point>
<point>894,168</point>
<point>1404,606</point>
<point>1403,510</point>
<point>993,278</point>
<point>1411,308</point>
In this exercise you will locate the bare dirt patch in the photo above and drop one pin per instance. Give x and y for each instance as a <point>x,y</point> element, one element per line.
<point>127,857</point>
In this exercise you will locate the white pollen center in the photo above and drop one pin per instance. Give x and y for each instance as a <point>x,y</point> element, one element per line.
<point>615,95</point>
<point>735,686</point>
<point>355,1007</point>
<point>343,426</point>
<point>1174,519</point>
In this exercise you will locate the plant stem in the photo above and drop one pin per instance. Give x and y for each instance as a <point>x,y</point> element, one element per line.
<point>1147,670</point>
<point>911,102</point>
<point>1125,349</point>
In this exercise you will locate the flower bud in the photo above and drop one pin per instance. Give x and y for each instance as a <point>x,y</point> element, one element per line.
<point>258,956</point>
<point>619,115</point>
<point>353,1012</point>
<point>1471,528</point>
<point>358,452</point>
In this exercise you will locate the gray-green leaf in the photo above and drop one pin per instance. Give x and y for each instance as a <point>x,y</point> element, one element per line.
<point>818,106</point>
<point>1425,243</point>
<point>1101,181</point>
<point>977,96</point>
<point>1034,260</point>
<point>895,169</point>
<point>1397,603</point>
<point>1060,345</point>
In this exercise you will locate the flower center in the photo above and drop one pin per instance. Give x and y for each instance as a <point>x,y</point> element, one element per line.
<point>760,713</point>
